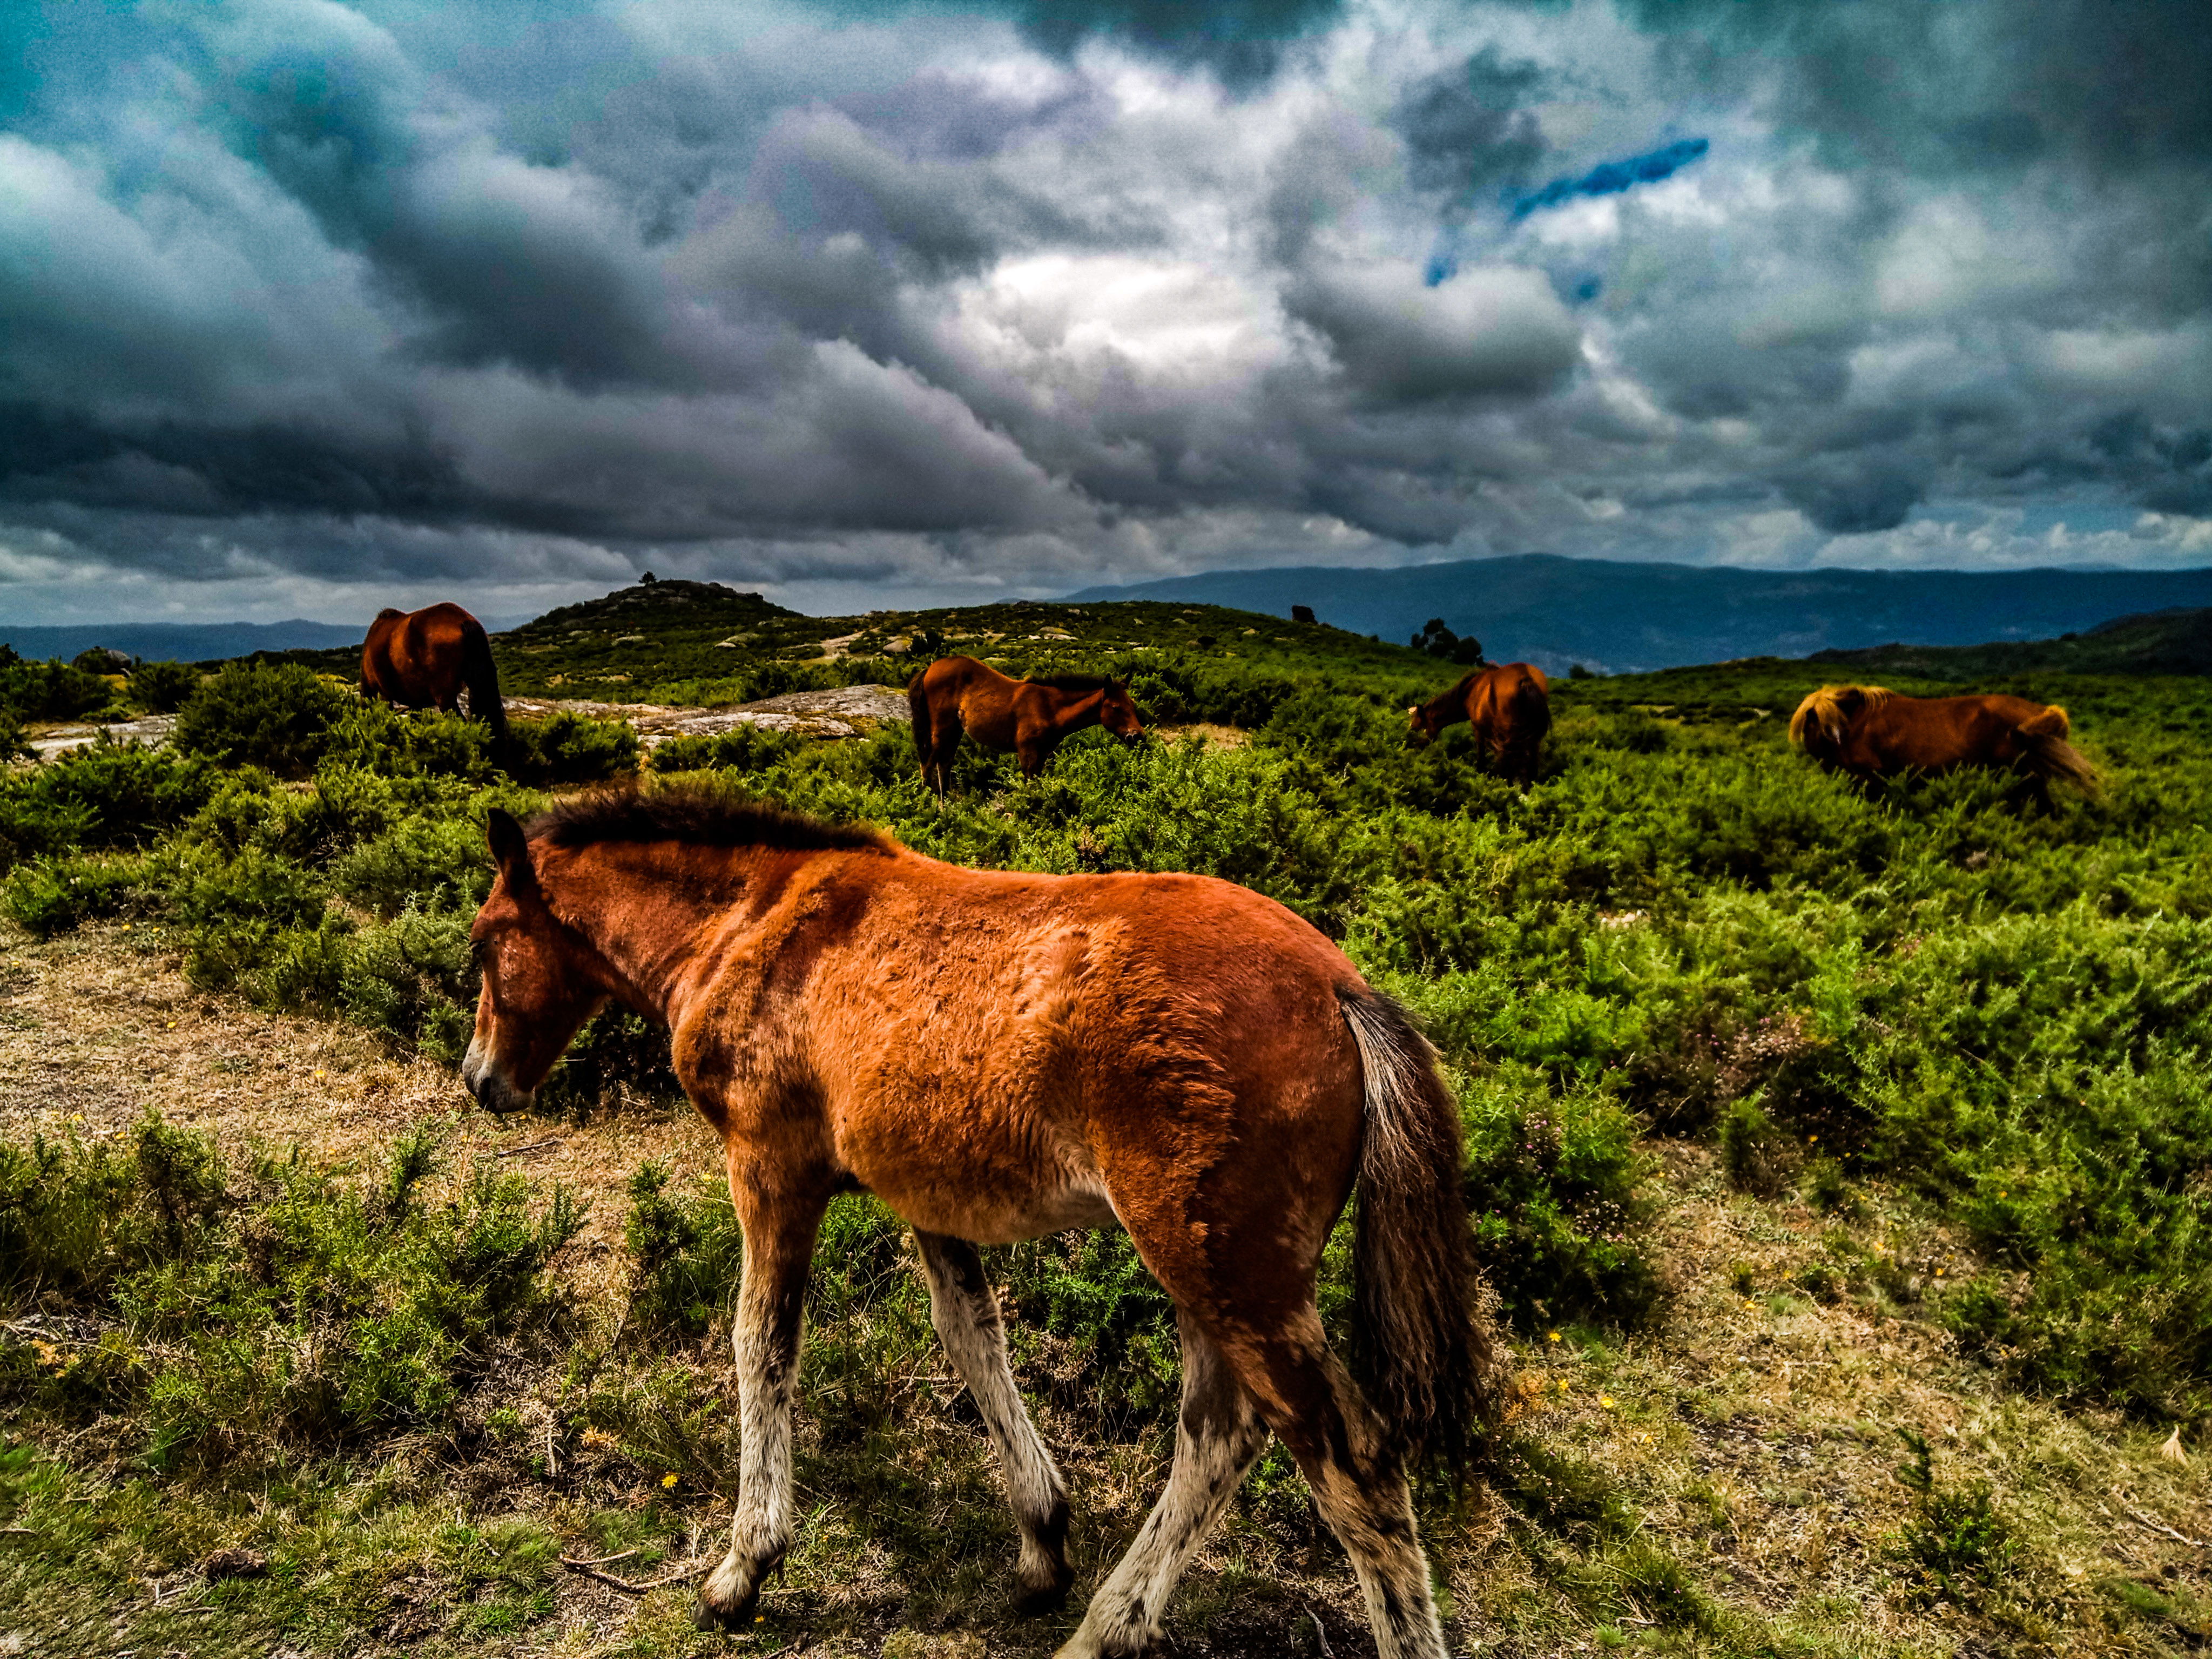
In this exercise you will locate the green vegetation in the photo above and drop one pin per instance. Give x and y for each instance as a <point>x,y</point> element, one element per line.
<point>1910,1002</point>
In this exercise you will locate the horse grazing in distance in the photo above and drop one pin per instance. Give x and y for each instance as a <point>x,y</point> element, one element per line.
<point>998,1055</point>
<point>427,658</point>
<point>1031,717</point>
<point>1868,731</point>
<point>1509,707</point>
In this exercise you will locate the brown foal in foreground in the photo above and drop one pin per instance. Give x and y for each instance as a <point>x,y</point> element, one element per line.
<point>997,1056</point>
<point>956,694</point>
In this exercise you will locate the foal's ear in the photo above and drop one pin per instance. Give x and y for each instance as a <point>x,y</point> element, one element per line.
<point>510,850</point>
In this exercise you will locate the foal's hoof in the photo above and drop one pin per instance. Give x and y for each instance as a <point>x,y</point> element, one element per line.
<point>1031,1599</point>
<point>706,1616</point>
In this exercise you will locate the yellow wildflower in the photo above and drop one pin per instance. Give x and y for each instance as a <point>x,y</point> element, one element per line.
<point>669,1481</point>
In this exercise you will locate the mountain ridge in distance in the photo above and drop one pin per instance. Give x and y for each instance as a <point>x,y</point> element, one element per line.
<point>1623,616</point>
<point>178,641</point>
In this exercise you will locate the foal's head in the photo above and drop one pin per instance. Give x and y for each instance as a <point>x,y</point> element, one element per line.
<point>541,980</point>
<point>1118,715</point>
<point>1423,722</point>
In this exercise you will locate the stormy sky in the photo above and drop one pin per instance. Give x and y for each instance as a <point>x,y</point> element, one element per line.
<point>306,308</point>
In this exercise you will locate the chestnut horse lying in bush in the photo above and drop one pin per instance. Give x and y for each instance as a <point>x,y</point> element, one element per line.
<point>1031,717</point>
<point>1508,705</point>
<point>1868,732</point>
<point>997,1056</point>
<point>426,659</point>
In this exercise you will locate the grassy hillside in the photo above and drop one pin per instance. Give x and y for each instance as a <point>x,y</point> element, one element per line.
<point>1838,1160</point>
<point>701,643</point>
<point>2163,642</point>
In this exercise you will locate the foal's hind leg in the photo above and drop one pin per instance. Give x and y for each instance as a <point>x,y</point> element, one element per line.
<point>1217,1438</point>
<point>966,1315</point>
<point>778,1250</point>
<point>1359,1488</point>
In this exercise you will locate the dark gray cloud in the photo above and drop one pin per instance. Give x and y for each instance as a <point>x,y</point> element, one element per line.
<point>1242,41</point>
<point>308,299</point>
<point>1469,131</point>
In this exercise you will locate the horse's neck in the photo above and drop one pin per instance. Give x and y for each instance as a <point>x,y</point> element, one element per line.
<point>648,916</point>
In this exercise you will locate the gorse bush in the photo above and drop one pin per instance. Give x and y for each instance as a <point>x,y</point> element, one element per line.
<point>273,715</point>
<point>685,1257</point>
<point>163,688</point>
<point>271,1312</point>
<point>49,690</point>
<point>1954,1544</point>
<point>570,748</point>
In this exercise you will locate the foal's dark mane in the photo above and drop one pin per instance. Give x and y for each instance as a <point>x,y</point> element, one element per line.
<point>699,816</point>
<point>1073,682</point>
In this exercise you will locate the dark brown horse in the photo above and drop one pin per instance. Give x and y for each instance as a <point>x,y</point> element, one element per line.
<point>1868,731</point>
<point>1031,717</point>
<point>426,659</point>
<point>1509,707</point>
<point>997,1056</point>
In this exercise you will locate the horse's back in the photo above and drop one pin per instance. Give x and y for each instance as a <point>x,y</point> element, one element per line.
<point>998,1050</point>
<point>1932,733</point>
<point>423,656</point>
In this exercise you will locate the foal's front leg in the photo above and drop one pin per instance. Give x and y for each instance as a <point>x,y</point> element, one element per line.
<point>778,1250</point>
<point>966,1315</point>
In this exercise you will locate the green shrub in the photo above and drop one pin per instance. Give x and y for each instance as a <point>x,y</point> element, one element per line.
<point>280,1313</point>
<point>1554,1187</point>
<point>163,688</point>
<point>436,864</point>
<point>129,793</point>
<point>50,896</point>
<point>102,795</point>
<point>70,1222</point>
<point>34,822</point>
<point>412,977</point>
<point>1954,1544</point>
<point>1117,1347</point>
<point>1758,1154</point>
<point>566,747</point>
<point>274,715</point>
<point>318,1318</point>
<point>49,690</point>
<point>372,736</point>
<point>685,1258</point>
<point>743,749</point>
<point>1830,1189</point>
<point>616,1053</point>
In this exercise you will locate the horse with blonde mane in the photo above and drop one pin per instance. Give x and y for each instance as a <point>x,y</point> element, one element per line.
<point>1869,731</point>
<point>998,1055</point>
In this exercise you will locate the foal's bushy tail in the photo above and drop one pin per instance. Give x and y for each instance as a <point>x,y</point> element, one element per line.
<point>481,678</point>
<point>1421,1344</point>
